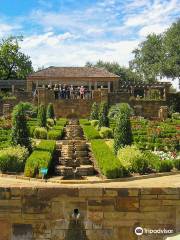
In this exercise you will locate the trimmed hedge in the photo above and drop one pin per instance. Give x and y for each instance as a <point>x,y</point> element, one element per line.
<point>61,122</point>
<point>90,132</point>
<point>84,122</point>
<point>40,133</point>
<point>37,160</point>
<point>166,166</point>
<point>55,134</point>
<point>108,163</point>
<point>46,145</point>
<point>40,158</point>
<point>106,132</point>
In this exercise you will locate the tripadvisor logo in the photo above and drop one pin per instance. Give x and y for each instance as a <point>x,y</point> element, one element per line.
<point>138,231</point>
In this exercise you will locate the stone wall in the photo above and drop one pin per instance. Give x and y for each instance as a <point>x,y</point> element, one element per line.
<point>105,213</point>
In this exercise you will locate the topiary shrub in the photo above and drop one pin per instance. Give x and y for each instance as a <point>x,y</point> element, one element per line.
<point>94,112</point>
<point>50,122</point>
<point>50,111</point>
<point>177,164</point>
<point>12,159</point>
<point>103,115</point>
<point>55,134</point>
<point>94,123</point>
<point>20,132</point>
<point>106,132</point>
<point>61,122</point>
<point>40,133</point>
<point>166,166</point>
<point>122,132</point>
<point>41,118</point>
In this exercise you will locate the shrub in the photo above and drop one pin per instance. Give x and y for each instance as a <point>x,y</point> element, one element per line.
<point>55,134</point>
<point>41,118</point>
<point>84,122</point>
<point>36,161</point>
<point>94,123</point>
<point>117,108</point>
<point>94,112</point>
<point>50,111</point>
<point>106,132</point>
<point>140,165</point>
<point>177,164</point>
<point>57,127</point>
<point>153,159</point>
<point>90,132</point>
<point>46,145</point>
<point>12,159</point>
<point>122,131</point>
<point>166,166</point>
<point>108,163</point>
<point>128,156</point>
<point>20,133</point>
<point>176,116</point>
<point>31,131</point>
<point>40,133</point>
<point>50,122</point>
<point>61,122</point>
<point>103,115</point>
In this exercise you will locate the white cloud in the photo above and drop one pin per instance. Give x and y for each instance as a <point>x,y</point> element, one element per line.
<point>6,29</point>
<point>156,28</point>
<point>49,49</point>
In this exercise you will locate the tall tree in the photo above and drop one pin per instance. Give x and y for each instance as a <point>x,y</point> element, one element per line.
<point>147,60</point>
<point>171,47</point>
<point>13,63</point>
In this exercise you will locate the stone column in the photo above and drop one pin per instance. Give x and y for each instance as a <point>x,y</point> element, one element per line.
<point>163,113</point>
<point>109,86</point>
<point>95,86</point>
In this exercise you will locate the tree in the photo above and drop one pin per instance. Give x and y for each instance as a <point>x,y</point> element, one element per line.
<point>13,63</point>
<point>126,74</point>
<point>171,48</point>
<point>148,56</point>
<point>20,133</point>
<point>41,118</point>
<point>122,131</point>
<point>103,115</point>
<point>94,112</point>
<point>50,111</point>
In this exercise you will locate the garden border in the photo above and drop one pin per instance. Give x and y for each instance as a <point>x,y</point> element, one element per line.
<point>125,179</point>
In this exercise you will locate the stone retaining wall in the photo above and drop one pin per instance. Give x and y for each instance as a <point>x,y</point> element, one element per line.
<point>105,213</point>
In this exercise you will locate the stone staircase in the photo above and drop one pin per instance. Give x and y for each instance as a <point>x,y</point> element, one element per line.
<point>74,160</point>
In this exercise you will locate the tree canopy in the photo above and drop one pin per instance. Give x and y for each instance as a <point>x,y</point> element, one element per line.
<point>159,55</point>
<point>13,63</point>
<point>125,73</point>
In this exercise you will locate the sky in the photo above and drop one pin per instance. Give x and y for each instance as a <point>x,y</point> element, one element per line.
<point>72,32</point>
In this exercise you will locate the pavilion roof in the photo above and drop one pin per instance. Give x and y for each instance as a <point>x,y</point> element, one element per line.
<point>73,72</point>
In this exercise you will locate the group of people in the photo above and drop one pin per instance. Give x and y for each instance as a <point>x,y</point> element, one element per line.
<point>63,91</point>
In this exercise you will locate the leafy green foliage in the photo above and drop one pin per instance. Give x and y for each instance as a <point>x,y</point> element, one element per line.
<point>103,115</point>
<point>40,158</point>
<point>84,122</point>
<point>108,163</point>
<point>13,63</point>
<point>61,122</point>
<point>94,112</point>
<point>177,164</point>
<point>37,160</point>
<point>55,134</point>
<point>50,111</point>
<point>20,133</point>
<point>50,122</point>
<point>90,132</point>
<point>106,132</point>
<point>41,118</point>
<point>122,131</point>
<point>94,123</point>
<point>40,133</point>
<point>117,108</point>
<point>12,159</point>
<point>166,166</point>
<point>46,145</point>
